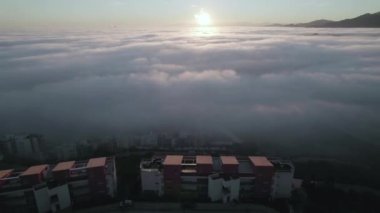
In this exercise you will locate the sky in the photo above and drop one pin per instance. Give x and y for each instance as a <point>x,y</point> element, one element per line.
<point>100,13</point>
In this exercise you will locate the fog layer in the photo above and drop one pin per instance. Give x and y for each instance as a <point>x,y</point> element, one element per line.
<point>279,83</point>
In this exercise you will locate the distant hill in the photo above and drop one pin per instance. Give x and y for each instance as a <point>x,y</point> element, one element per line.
<point>364,21</point>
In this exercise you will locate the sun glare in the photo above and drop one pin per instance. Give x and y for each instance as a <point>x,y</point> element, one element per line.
<point>203,18</point>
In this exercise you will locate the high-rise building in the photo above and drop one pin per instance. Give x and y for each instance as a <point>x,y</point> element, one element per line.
<point>27,146</point>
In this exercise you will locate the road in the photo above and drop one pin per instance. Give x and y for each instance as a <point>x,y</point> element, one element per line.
<point>142,207</point>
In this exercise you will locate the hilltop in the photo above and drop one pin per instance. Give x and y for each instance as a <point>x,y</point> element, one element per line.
<point>367,20</point>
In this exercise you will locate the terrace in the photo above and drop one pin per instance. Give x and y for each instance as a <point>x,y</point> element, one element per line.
<point>153,164</point>
<point>79,170</point>
<point>188,165</point>
<point>282,166</point>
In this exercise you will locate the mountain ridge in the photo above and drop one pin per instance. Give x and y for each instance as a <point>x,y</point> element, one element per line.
<point>367,20</point>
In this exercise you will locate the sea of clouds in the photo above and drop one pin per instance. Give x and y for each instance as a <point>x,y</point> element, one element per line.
<point>265,81</point>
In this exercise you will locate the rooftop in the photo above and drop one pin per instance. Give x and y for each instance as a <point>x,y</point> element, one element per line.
<point>282,166</point>
<point>229,160</point>
<point>5,173</point>
<point>260,161</point>
<point>203,159</point>
<point>34,170</point>
<point>96,162</point>
<point>173,160</point>
<point>155,163</point>
<point>63,166</point>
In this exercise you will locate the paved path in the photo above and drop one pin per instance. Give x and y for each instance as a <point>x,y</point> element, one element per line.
<point>143,207</point>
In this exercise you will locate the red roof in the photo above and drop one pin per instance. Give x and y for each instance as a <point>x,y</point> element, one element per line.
<point>35,170</point>
<point>5,173</point>
<point>229,160</point>
<point>96,162</point>
<point>260,161</point>
<point>173,160</point>
<point>203,159</point>
<point>63,166</point>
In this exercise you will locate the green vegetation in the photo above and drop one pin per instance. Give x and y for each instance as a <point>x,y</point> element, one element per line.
<point>341,173</point>
<point>326,198</point>
<point>128,174</point>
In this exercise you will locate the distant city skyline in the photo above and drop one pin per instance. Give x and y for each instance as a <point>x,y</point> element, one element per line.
<point>93,13</point>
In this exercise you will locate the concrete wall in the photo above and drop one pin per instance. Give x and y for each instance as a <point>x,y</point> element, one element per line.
<point>172,179</point>
<point>230,169</point>
<point>14,197</point>
<point>42,198</point>
<point>204,169</point>
<point>234,186</point>
<point>215,188</point>
<point>152,180</point>
<point>282,185</point>
<point>97,182</point>
<point>192,179</point>
<point>263,181</point>
<point>111,179</point>
<point>63,194</point>
<point>31,180</point>
<point>61,176</point>
<point>172,172</point>
<point>189,183</point>
<point>216,192</point>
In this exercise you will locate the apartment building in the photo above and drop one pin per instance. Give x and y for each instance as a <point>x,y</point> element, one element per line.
<point>92,179</point>
<point>224,178</point>
<point>28,191</point>
<point>50,188</point>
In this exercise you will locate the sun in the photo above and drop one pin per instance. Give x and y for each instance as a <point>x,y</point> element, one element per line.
<point>203,18</point>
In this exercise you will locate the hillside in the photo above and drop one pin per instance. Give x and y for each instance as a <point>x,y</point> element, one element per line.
<point>364,21</point>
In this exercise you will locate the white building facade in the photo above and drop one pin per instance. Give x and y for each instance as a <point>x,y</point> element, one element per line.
<point>223,188</point>
<point>282,180</point>
<point>151,178</point>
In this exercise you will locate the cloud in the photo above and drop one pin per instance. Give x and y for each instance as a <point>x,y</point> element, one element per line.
<point>264,81</point>
<point>165,77</point>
